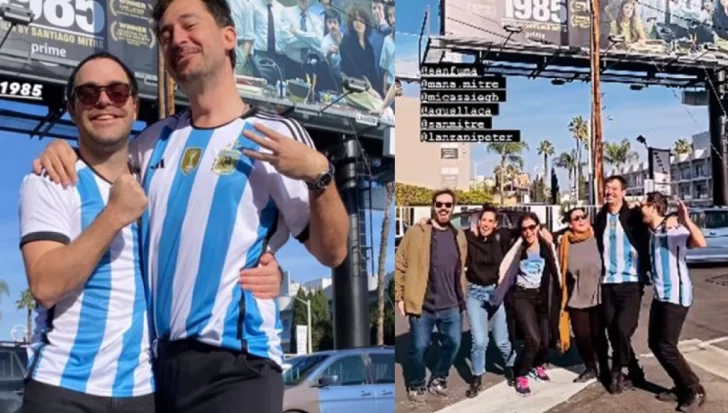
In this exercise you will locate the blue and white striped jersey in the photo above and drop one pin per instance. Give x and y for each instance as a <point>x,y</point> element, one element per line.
<point>620,257</point>
<point>669,269</point>
<point>96,340</point>
<point>212,212</point>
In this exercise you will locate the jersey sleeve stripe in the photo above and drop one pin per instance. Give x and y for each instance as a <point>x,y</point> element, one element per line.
<point>297,131</point>
<point>45,236</point>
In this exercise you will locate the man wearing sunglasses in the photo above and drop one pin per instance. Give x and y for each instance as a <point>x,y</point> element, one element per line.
<point>429,288</point>
<point>225,183</point>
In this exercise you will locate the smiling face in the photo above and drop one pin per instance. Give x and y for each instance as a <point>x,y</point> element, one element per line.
<point>194,44</point>
<point>578,221</point>
<point>104,117</point>
<point>613,192</point>
<point>487,223</point>
<point>442,208</point>
<point>529,230</point>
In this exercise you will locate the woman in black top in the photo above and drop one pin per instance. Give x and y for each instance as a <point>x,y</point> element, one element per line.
<point>357,53</point>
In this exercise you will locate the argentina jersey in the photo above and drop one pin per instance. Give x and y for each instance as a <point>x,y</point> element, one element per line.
<point>669,269</point>
<point>95,340</point>
<point>620,257</point>
<point>212,212</point>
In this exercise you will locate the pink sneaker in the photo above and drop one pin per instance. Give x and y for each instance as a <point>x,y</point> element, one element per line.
<point>541,374</point>
<point>522,385</point>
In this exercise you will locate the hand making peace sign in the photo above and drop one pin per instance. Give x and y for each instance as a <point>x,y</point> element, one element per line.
<point>288,156</point>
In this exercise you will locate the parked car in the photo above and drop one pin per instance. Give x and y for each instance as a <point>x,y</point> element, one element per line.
<point>714,222</point>
<point>13,362</point>
<point>340,381</point>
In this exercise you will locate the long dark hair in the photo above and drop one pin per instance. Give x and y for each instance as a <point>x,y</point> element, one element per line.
<point>633,21</point>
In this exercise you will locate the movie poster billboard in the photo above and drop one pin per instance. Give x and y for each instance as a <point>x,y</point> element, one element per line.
<point>303,52</point>
<point>290,52</point>
<point>64,32</point>
<point>646,29</point>
<point>547,22</point>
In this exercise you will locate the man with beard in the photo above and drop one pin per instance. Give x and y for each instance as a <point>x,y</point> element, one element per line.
<point>429,282</point>
<point>81,250</point>
<point>219,195</point>
<point>623,239</point>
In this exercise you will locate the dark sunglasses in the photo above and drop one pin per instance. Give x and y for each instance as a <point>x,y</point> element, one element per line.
<point>529,228</point>
<point>443,204</point>
<point>578,218</point>
<point>88,95</point>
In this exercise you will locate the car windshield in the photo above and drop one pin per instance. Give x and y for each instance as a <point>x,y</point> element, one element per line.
<point>711,219</point>
<point>298,368</point>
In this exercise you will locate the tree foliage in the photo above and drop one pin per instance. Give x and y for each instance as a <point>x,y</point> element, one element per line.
<point>411,195</point>
<point>322,337</point>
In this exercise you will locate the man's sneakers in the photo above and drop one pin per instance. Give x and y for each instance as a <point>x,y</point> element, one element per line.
<point>587,375</point>
<point>617,383</point>
<point>416,395</point>
<point>522,386</point>
<point>475,386</point>
<point>692,401</point>
<point>438,387</point>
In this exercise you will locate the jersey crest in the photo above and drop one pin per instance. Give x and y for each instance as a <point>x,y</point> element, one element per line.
<point>190,160</point>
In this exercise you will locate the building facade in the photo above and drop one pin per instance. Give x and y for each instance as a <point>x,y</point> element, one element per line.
<point>690,174</point>
<point>430,165</point>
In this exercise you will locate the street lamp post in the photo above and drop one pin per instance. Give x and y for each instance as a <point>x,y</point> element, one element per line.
<point>308,320</point>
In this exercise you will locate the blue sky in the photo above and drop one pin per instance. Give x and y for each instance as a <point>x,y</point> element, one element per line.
<point>16,158</point>
<point>543,111</point>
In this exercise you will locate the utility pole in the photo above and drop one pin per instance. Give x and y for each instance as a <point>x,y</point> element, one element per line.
<point>596,103</point>
<point>161,85</point>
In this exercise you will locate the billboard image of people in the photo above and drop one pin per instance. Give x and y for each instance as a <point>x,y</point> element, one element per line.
<point>296,52</point>
<point>666,27</point>
<point>302,51</point>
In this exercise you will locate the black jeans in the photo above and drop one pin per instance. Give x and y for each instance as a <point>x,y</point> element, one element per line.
<point>621,303</point>
<point>43,398</point>
<point>666,322</point>
<point>531,315</point>
<point>590,336</point>
<point>193,377</point>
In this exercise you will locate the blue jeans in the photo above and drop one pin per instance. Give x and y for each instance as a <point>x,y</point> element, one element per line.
<point>449,325</point>
<point>480,313</point>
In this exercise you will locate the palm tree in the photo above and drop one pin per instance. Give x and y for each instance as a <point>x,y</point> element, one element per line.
<point>567,160</point>
<point>4,289</point>
<point>619,154</point>
<point>579,129</point>
<point>510,153</point>
<point>389,187</point>
<point>682,146</point>
<point>27,302</point>
<point>546,149</point>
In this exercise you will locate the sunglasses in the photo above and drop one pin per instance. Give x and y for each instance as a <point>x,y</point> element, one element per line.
<point>443,204</point>
<point>88,95</point>
<point>529,228</point>
<point>578,218</point>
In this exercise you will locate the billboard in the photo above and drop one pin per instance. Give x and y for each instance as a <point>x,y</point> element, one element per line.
<point>64,32</point>
<point>643,29</point>
<point>302,52</point>
<point>299,56</point>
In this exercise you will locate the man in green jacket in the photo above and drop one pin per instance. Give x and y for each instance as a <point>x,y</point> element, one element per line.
<point>429,288</point>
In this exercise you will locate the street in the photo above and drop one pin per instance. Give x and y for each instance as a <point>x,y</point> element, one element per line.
<point>704,342</point>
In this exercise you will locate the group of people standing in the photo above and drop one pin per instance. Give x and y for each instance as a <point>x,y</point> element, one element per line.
<point>584,283</point>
